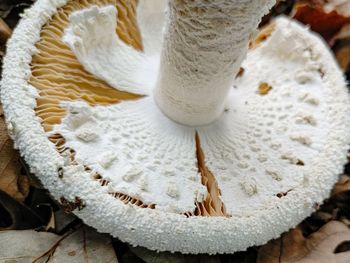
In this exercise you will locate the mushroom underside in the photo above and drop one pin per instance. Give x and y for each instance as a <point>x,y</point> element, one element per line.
<point>265,156</point>
<point>58,76</point>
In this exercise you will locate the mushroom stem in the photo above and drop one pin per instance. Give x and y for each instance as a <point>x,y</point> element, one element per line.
<point>204,45</point>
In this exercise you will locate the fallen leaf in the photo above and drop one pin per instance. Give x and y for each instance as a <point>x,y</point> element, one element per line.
<point>319,247</point>
<point>63,220</point>
<point>82,245</point>
<point>341,6</point>
<point>342,185</point>
<point>2,54</point>
<point>336,207</point>
<point>5,32</point>
<point>23,246</point>
<point>327,23</point>
<point>42,204</point>
<point>12,181</point>
<point>85,245</point>
<point>33,180</point>
<point>343,33</point>
<point>5,8</point>
<point>50,226</point>
<point>15,215</point>
<point>10,9</point>
<point>342,52</point>
<point>167,257</point>
<point>130,257</point>
<point>282,7</point>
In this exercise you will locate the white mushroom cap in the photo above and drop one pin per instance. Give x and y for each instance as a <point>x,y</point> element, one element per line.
<point>255,149</point>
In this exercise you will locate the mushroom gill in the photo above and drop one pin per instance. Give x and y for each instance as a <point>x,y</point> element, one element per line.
<point>212,205</point>
<point>58,76</point>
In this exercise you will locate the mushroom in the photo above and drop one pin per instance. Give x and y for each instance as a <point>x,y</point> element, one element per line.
<point>171,133</point>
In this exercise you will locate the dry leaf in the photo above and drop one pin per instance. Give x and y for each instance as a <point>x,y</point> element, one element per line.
<point>167,257</point>
<point>343,33</point>
<point>22,246</point>
<point>51,224</point>
<point>10,10</point>
<point>15,215</point>
<point>319,247</point>
<point>83,245</point>
<point>341,6</point>
<point>282,7</point>
<point>327,24</point>
<point>342,185</point>
<point>12,181</point>
<point>63,221</point>
<point>342,52</point>
<point>5,32</point>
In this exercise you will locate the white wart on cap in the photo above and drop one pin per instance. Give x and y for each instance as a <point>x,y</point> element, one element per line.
<point>275,140</point>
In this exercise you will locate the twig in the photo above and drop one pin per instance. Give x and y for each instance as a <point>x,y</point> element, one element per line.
<point>55,245</point>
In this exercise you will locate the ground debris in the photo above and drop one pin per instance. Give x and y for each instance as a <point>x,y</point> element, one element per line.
<point>320,246</point>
